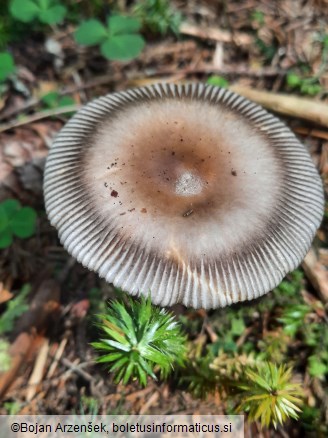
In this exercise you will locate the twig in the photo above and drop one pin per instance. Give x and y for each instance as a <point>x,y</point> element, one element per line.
<point>16,110</point>
<point>141,393</point>
<point>244,336</point>
<point>77,368</point>
<point>239,38</point>
<point>38,370</point>
<point>311,132</point>
<point>211,333</point>
<point>292,106</point>
<point>39,116</point>
<point>205,69</point>
<point>225,71</point>
<point>57,357</point>
<point>151,401</point>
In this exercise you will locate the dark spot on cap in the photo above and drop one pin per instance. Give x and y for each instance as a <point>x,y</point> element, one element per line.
<point>143,210</point>
<point>234,173</point>
<point>188,213</point>
<point>114,193</point>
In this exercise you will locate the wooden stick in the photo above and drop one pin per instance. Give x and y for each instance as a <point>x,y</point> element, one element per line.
<point>311,132</point>
<point>292,106</point>
<point>39,116</point>
<point>317,274</point>
<point>38,370</point>
<point>215,34</point>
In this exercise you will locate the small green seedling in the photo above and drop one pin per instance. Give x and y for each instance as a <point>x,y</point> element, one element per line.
<point>7,65</point>
<point>318,365</point>
<point>139,339</point>
<point>258,17</point>
<point>158,16</point>
<point>14,308</point>
<point>5,359</point>
<point>293,318</point>
<point>217,81</point>
<point>269,395</point>
<point>308,86</point>
<point>120,40</point>
<point>54,100</point>
<point>45,11</point>
<point>15,220</point>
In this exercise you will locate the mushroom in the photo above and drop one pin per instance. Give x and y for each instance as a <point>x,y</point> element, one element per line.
<point>188,193</point>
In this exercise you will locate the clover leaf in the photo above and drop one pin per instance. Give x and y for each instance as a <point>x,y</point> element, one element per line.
<point>15,221</point>
<point>54,100</point>
<point>7,66</point>
<point>46,11</point>
<point>120,40</point>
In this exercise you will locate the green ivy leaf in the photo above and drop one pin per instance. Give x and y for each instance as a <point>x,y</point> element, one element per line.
<point>7,66</point>
<point>23,223</point>
<point>122,47</point>
<point>53,15</point>
<point>24,10</point>
<point>90,32</point>
<point>119,24</point>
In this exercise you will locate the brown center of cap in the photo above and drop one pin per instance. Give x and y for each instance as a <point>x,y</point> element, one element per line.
<point>177,178</point>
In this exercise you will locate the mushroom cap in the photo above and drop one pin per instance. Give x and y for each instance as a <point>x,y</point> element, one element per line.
<point>188,193</point>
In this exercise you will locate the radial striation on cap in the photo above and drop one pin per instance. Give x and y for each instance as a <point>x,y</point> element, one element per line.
<point>188,193</point>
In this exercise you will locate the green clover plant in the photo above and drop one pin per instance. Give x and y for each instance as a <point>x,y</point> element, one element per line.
<point>120,40</point>
<point>54,100</point>
<point>45,11</point>
<point>15,221</point>
<point>7,65</point>
<point>139,339</point>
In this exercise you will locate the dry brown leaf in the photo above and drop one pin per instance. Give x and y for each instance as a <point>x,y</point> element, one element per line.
<point>5,294</point>
<point>317,274</point>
